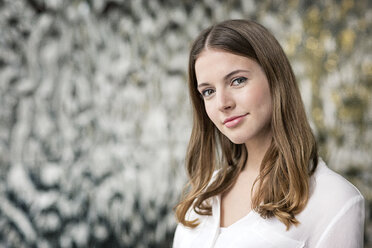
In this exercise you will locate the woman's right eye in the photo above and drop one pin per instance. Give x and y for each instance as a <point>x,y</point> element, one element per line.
<point>207,92</point>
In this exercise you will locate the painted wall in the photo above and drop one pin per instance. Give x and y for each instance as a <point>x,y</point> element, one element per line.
<point>95,117</point>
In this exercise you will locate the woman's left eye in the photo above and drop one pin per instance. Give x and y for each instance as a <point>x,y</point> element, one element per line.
<point>238,81</point>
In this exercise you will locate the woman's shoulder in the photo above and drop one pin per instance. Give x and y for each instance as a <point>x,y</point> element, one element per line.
<point>327,182</point>
<point>331,193</point>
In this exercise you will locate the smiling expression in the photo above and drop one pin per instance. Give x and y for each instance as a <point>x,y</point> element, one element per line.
<point>236,95</point>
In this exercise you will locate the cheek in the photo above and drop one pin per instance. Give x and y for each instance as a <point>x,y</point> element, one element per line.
<point>211,112</point>
<point>265,106</point>
<point>261,98</point>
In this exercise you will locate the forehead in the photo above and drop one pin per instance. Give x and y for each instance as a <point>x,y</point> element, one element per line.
<point>216,63</point>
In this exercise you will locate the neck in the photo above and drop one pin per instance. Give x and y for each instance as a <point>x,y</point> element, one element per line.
<point>256,151</point>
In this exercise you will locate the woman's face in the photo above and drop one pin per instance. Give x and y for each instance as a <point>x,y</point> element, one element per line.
<point>236,95</point>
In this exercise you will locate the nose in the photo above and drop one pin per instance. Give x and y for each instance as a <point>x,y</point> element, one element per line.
<point>225,101</point>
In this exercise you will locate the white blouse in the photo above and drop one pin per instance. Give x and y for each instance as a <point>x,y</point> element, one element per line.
<point>333,217</point>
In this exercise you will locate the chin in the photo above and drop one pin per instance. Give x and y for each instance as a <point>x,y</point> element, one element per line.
<point>237,140</point>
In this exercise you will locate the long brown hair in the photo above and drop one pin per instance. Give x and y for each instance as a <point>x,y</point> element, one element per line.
<point>283,181</point>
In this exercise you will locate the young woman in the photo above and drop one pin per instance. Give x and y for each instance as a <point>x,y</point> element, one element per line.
<point>255,179</point>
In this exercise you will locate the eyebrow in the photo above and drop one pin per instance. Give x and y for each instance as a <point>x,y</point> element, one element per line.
<point>224,78</point>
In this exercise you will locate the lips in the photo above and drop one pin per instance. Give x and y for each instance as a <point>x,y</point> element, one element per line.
<point>233,121</point>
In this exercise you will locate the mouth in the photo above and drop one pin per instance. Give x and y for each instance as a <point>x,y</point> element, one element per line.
<point>233,121</point>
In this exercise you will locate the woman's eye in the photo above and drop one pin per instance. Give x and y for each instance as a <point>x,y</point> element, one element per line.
<point>238,81</point>
<point>207,92</point>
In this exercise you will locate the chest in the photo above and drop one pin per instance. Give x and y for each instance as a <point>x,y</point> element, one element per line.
<point>236,203</point>
<point>250,231</point>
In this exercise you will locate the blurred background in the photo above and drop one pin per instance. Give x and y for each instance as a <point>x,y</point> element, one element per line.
<point>95,116</point>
